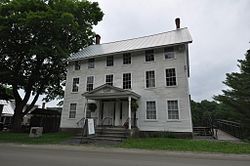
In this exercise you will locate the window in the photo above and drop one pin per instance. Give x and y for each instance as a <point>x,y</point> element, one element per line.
<point>72,110</point>
<point>169,53</point>
<point>109,79</point>
<point>149,55</point>
<point>110,61</point>
<point>170,77</point>
<point>75,85</point>
<point>90,83</point>
<point>151,110</point>
<point>91,63</point>
<point>173,112</point>
<point>127,58</point>
<point>150,79</point>
<point>77,65</point>
<point>127,81</point>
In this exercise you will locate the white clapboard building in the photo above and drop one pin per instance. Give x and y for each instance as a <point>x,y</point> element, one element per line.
<point>150,72</point>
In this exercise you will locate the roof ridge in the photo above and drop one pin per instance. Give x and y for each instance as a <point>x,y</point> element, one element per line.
<point>138,37</point>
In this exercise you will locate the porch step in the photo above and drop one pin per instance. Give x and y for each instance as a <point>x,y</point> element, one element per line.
<point>101,138</point>
<point>115,134</point>
<point>112,135</point>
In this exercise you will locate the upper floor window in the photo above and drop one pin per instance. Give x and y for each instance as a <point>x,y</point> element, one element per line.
<point>90,83</point>
<point>77,65</point>
<point>91,63</point>
<point>110,61</point>
<point>170,77</point>
<point>109,79</point>
<point>126,81</point>
<point>75,85</point>
<point>127,58</point>
<point>72,110</point>
<point>151,110</point>
<point>169,53</point>
<point>149,55</point>
<point>173,110</point>
<point>150,79</point>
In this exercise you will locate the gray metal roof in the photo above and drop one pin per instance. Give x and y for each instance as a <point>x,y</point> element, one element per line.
<point>177,36</point>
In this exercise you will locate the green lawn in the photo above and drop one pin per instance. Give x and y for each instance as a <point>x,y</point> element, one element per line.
<point>186,145</point>
<point>48,138</point>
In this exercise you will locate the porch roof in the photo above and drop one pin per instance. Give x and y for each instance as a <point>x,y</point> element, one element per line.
<point>110,92</point>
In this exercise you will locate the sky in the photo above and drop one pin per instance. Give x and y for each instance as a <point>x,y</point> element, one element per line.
<point>220,32</point>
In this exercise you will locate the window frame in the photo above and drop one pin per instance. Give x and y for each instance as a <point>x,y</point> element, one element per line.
<point>112,79</point>
<point>176,82</point>
<point>77,65</point>
<point>147,79</point>
<point>123,80</point>
<point>72,111</point>
<point>152,54</point>
<point>109,60</point>
<point>90,83</point>
<point>146,113</point>
<point>77,85</point>
<point>178,105</point>
<point>164,53</point>
<point>127,57</point>
<point>91,64</point>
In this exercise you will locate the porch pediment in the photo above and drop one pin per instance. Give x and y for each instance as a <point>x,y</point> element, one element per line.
<point>106,91</point>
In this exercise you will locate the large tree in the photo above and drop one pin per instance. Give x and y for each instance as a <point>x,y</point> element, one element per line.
<point>36,38</point>
<point>238,94</point>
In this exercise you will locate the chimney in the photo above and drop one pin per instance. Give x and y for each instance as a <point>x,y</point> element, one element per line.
<point>97,39</point>
<point>43,106</point>
<point>177,23</point>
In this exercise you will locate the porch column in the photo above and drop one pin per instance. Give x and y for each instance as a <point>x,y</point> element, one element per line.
<point>86,108</point>
<point>129,112</point>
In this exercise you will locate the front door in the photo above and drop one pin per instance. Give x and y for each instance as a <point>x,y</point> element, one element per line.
<point>108,113</point>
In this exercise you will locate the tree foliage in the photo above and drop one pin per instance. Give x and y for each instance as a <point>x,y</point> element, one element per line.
<point>206,112</point>
<point>238,95</point>
<point>36,37</point>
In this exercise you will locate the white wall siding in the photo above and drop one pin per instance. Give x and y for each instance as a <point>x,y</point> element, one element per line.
<point>160,93</point>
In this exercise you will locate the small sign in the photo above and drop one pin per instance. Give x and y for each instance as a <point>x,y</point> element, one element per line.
<point>91,127</point>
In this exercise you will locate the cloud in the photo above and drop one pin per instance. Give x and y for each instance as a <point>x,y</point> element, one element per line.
<point>220,30</point>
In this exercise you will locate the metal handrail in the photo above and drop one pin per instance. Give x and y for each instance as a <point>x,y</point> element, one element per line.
<point>80,123</point>
<point>105,119</point>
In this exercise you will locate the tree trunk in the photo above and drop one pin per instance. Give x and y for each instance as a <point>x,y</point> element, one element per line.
<point>17,119</point>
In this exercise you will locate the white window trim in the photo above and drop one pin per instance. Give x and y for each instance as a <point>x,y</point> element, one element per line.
<point>145,56</point>
<point>129,63</point>
<point>88,64</point>
<point>74,66</point>
<point>156,112</point>
<point>87,82</point>
<point>131,80</point>
<point>145,79</point>
<point>109,74</point>
<point>70,110</point>
<point>174,86</point>
<point>106,65</point>
<point>178,101</point>
<point>171,59</point>
<point>73,83</point>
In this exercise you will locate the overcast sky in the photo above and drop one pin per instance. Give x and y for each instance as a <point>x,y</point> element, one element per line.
<point>220,32</point>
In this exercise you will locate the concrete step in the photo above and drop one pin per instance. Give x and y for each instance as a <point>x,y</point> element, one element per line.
<point>112,136</point>
<point>111,129</point>
<point>107,139</point>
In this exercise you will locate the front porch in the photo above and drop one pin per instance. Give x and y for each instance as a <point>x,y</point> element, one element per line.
<point>114,106</point>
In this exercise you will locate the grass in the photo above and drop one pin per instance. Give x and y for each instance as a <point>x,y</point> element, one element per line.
<point>47,138</point>
<point>186,145</point>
